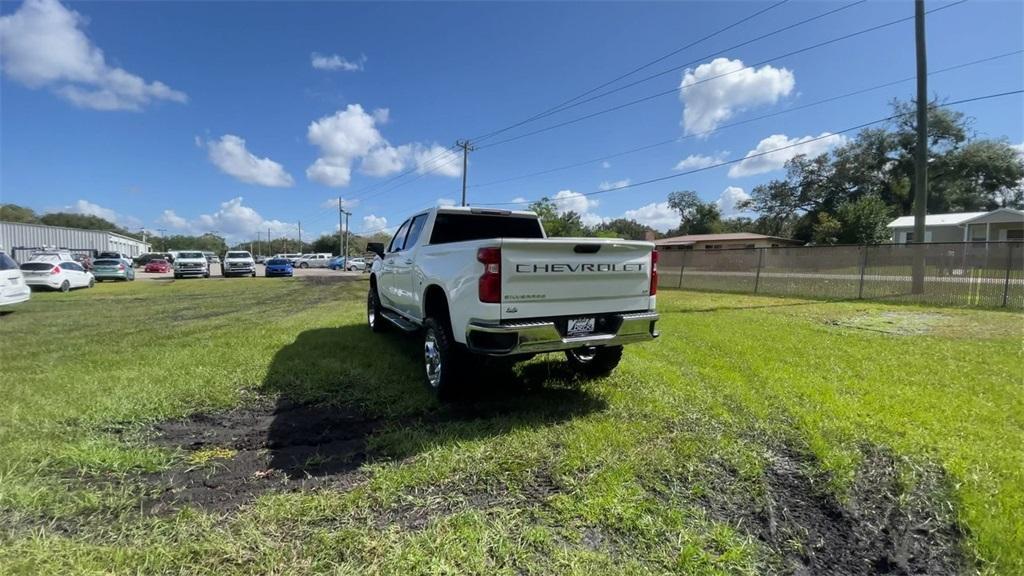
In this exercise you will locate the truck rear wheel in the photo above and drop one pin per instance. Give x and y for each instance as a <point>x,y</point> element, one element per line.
<point>595,360</point>
<point>442,361</point>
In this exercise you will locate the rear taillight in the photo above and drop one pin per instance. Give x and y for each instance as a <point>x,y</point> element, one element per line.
<point>490,281</point>
<point>654,272</point>
<point>120,266</point>
<point>56,270</point>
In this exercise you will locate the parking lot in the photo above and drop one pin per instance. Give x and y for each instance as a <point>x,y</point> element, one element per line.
<point>215,272</point>
<point>205,426</point>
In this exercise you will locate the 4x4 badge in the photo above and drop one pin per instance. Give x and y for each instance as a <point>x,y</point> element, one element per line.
<point>511,310</point>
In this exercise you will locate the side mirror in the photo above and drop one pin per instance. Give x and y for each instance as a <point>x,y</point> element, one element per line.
<point>376,247</point>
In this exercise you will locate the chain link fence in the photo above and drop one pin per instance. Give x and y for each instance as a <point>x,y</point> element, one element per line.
<point>985,274</point>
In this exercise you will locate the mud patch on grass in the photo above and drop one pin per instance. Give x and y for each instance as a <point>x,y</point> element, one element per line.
<point>881,528</point>
<point>894,322</point>
<point>233,457</point>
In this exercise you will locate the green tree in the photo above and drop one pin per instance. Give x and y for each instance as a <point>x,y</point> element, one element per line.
<point>696,216</point>
<point>622,228</point>
<point>15,213</point>
<point>556,223</point>
<point>827,229</point>
<point>84,221</point>
<point>863,221</point>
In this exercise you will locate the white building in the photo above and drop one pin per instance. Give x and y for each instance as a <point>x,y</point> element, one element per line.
<point>16,238</point>
<point>1002,225</point>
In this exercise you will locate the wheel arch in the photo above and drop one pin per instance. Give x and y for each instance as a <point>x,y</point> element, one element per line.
<point>435,303</point>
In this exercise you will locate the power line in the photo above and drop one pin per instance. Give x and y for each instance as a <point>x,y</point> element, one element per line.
<point>745,121</point>
<point>572,103</point>
<point>676,89</point>
<point>766,152</point>
<point>633,71</point>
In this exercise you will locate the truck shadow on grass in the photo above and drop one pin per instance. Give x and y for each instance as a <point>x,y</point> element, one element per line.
<point>337,398</point>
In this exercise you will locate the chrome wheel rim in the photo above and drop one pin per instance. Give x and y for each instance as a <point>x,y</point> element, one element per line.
<point>432,359</point>
<point>371,314</point>
<point>585,354</point>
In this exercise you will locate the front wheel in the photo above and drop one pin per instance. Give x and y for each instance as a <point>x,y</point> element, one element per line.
<point>303,265</point>
<point>65,286</point>
<point>594,360</point>
<point>92,282</point>
<point>373,317</point>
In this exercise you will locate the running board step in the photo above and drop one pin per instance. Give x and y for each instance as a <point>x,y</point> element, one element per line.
<point>399,321</point>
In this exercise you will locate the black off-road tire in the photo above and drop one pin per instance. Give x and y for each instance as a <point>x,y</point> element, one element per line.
<point>594,362</point>
<point>374,320</point>
<point>446,380</point>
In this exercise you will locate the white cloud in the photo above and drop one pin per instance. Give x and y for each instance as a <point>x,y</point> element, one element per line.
<point>231,156</point>
<point>606,164</point>
<point>233,220</point>
<point>569,201</point>
<point>1019,148</point>
<point>709,98</point>
<point>172,220</point>
<point>604,186</point>
<point>695,161</point>
<point>109,214</point>
<point>352,135</point>
<point>520,200</point>
<point>446,202</point>
<point>761,160</point>
<point>43,44</point>
<point>372,224</point>
<point>656,215</point>
<point>344,203</point>
<point>728,200</point>
<point>336,62</point>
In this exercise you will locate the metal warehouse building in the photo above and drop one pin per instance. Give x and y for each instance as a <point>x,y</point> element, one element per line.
<point>17,238</point>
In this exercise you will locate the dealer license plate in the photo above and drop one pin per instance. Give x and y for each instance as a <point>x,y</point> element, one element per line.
<point>580,326</point>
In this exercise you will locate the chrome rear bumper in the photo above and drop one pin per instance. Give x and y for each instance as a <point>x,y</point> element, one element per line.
<point>532,337</point>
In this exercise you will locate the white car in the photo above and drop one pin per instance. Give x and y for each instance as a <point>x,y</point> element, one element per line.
<point>13,289</point>
<point>313,261</point>
<point>54,256</point>
<point>476,282</point>
<point>191,263</point>
<point>61,276</point>
<point>354,264</point>
<point>238,263</point>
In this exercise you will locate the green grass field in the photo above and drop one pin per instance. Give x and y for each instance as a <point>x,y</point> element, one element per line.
<point>752,432</point>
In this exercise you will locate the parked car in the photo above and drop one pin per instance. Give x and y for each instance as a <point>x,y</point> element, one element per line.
<point>293,258</point>
<point>260,259</point>
<point>238,263</point>
<point>148,257</point>
<point>158,266</point>
<point>55,256</point>
<point>84,260</point>
<point>278,267</point>
<point>61,276</point>
<point>13,289</point>
<point>313,261</point>
<point>336,263</point>
<point>211,258</point>
<point>111,269</point>
<point>356,264</point>
<point>115,256</point>
<point>191,263</point>
<point>584,296</point>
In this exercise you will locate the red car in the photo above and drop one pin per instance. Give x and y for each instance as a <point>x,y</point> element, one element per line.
<point>161,266</point>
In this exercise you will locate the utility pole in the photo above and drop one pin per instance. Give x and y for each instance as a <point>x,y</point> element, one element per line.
<point>345,248</point>
<point>466,149</point>
<point>920,150</point>
<point>257,243</point>
<point>300,236</point>
<point>163,237</point>
<point>270,243</point>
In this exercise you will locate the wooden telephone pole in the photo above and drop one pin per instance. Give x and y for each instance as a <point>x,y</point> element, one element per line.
<point>466,149</point>
<point>920,151</point>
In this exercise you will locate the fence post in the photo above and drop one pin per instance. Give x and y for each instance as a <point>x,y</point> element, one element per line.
<point>757,278</point>
<point>682,266</point>
<point>1009,263</point>
<point>863,266</point>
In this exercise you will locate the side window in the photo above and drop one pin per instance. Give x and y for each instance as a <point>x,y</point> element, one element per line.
<point>415,229</point>
<point>398,242</point>
<point>71,266</point>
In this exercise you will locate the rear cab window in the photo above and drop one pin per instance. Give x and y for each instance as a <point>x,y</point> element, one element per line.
<point>36,266</point>
<point>461,227</point>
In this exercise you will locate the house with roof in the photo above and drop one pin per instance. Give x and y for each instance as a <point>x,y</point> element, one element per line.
<point>1001,225</point>
<point>726,241</point>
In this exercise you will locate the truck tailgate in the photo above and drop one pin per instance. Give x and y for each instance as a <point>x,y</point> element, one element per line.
<point>574,276</point>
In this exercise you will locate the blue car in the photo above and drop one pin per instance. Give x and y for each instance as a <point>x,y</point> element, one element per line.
<point>278,267</point>
<point>336,263</point>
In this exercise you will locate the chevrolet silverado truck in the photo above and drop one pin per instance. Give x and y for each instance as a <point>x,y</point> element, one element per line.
<point>488,283</point>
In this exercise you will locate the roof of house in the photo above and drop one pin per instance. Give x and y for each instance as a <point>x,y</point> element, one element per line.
<point>936,219</point>
<point>694,238</point>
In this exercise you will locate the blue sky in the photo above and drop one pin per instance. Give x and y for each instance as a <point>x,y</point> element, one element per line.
<point>212,116</point>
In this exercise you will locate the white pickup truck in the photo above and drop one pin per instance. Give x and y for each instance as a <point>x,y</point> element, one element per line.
<point>479,282</point>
